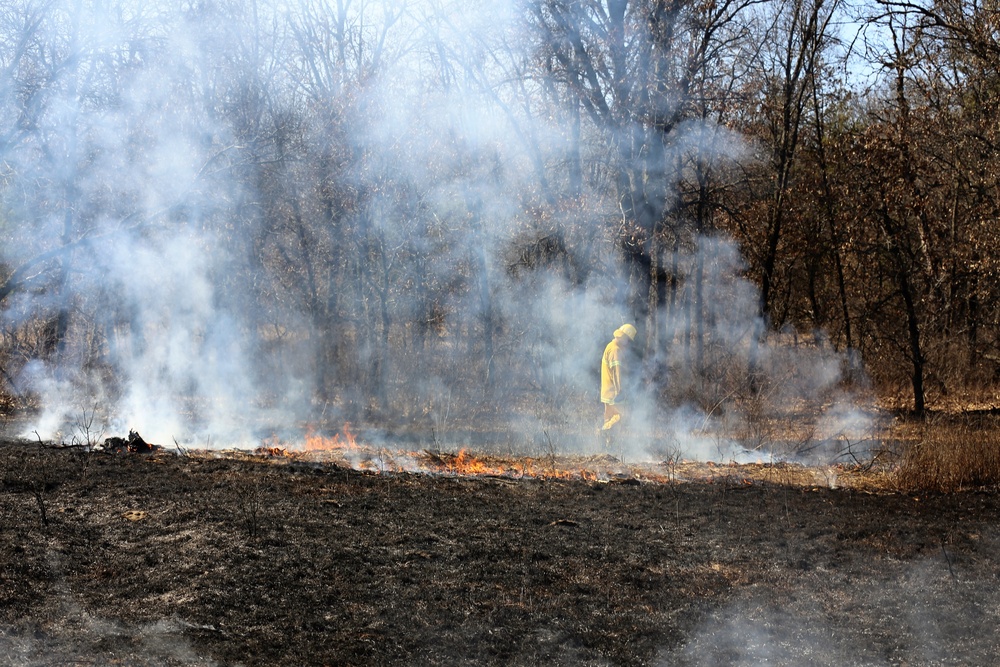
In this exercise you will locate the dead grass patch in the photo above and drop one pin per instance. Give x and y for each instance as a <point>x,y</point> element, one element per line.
<point>951,453</point>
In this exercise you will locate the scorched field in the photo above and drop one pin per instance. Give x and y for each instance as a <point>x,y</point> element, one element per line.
<point>172,558</point>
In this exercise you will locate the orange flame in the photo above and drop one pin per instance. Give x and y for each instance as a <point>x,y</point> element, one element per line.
<point>465,463</point>
<point>315,442</point>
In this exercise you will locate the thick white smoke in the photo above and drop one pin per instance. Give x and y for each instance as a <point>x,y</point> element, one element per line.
<point>149,179</point>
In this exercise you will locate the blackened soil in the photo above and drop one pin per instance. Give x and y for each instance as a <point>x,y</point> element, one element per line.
<point>162,559</point>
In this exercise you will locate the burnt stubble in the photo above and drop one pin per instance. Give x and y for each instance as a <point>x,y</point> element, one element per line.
<point>170,559</point>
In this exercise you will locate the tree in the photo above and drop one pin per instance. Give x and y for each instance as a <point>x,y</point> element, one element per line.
<point>800,30</point>
<point>632,68</point>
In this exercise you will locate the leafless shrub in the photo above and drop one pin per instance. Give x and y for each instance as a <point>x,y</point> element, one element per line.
<point>250,504</point>
<point>670,455</point>
<point>27,470</point>
<point>87,432</point>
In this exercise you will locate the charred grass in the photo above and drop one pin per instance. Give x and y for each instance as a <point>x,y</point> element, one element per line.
<point>166,559</point>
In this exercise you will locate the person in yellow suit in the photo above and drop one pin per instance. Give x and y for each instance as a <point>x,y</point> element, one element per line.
<point>614,374</point>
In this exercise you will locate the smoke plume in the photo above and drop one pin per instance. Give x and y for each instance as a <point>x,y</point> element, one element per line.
<point>223,223</point>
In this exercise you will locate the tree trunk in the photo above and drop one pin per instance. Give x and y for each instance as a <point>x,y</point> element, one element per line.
<point>906,292</point>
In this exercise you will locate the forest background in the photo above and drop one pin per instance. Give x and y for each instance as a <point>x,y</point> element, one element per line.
<point>220,219</point>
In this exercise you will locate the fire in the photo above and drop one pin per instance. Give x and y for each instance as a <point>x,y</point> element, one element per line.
<point>465,463</point>
<point>344,448</point>
<point>316,442</point>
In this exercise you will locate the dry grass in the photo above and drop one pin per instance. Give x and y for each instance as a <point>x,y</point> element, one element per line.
<point>952,453</point>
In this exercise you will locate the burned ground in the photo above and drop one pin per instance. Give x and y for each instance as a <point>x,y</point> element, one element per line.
<point>167,559</point>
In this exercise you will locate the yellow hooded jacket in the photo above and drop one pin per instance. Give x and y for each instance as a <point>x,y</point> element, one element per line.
<point>611,369</point>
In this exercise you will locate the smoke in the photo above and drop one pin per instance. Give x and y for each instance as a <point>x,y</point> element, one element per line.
<point>911,612</point>
<point>723,392</point>
<point>134,188</point>
<point>264,222</point>
<point>84,639</point>
<point>176,342</point>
